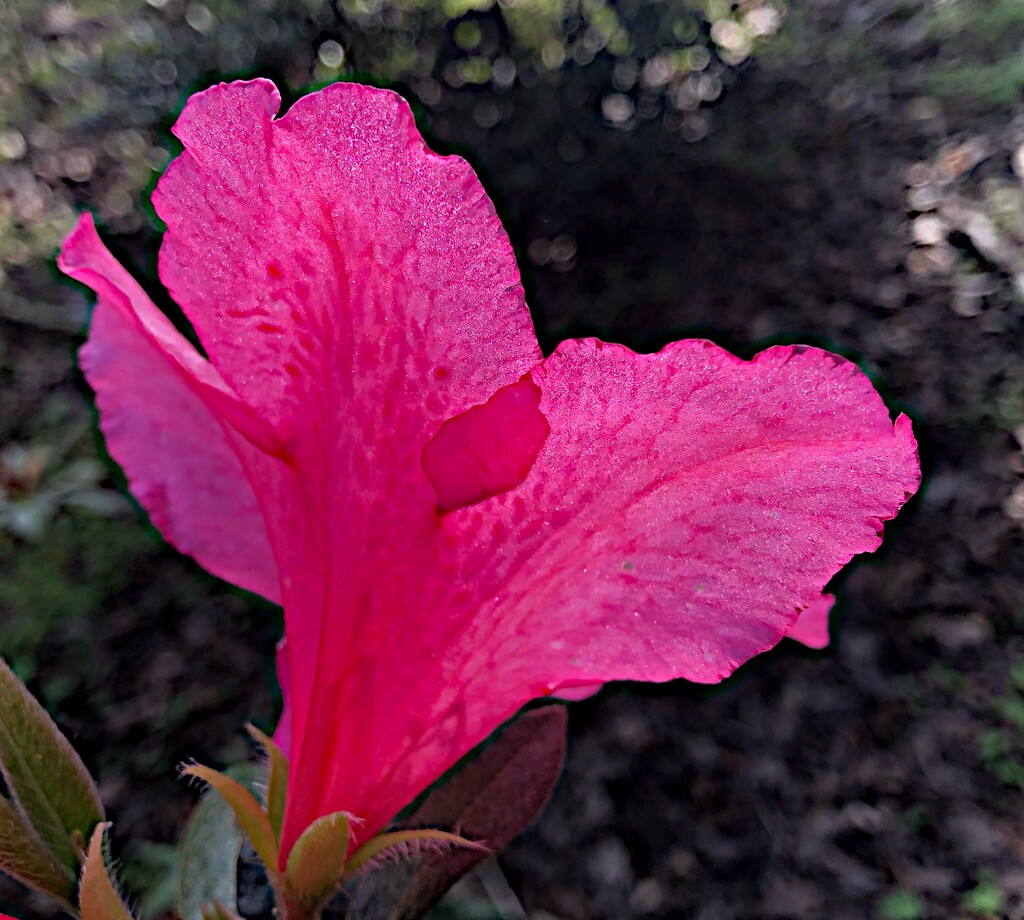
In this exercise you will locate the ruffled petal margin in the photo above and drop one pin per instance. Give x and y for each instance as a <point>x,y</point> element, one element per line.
<point>683,510</point>
<point>163,412</point>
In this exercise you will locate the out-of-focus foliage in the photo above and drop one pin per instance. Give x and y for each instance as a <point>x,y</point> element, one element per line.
<point>1001,743</point>
<point>59,582</point>
<point>545,34</point>
<point>87,84</point>
<point>902,905</point>
<point>987,59</point>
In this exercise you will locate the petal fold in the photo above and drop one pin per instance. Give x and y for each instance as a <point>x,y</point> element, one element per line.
<point>488,449</point>
<point>162,412</point>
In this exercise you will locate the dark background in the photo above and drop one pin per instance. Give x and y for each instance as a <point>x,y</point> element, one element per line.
<point>839,172</point>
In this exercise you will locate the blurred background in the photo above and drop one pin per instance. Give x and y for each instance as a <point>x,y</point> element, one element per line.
<point>847,173</point>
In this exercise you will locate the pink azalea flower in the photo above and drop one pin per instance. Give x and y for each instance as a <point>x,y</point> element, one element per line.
<point>454,524</point>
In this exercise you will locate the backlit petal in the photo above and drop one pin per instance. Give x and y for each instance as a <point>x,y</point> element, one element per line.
<point>159,405</point>
<point>811,626</point>
<point>330,254</point>
<point>684,508</point>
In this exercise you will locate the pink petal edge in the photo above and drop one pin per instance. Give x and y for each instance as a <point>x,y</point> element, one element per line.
<point>811,626</point>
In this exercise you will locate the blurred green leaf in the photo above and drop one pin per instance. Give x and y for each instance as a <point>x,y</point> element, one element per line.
<point>901,905</point>
<point>985,900</point>
<point>151,870</point>
<point>210,846</point>
<point>44,774</point>
<point>247,809</point>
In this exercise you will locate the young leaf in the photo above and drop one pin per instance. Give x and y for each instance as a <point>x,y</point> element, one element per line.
<point>210,846</point>
<point>317,861</point>
<point>23,856</point>
<point>97,897</point>
<point>249,812</point>
<point>44,775</point>
<point>492,798</point>
<point>409,843</point>
<point>277,780</point>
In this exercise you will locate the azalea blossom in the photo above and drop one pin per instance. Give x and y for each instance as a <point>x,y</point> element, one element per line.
<point>454,523</point>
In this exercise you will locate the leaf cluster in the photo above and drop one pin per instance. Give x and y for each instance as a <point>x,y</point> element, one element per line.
<point>53,825</point>
<point>51,811</point>
<point>396,875</point>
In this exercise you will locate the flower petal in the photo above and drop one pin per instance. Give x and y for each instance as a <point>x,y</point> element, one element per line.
<point>358,290</point>
<point>811,626</point>
<point>685,506</point>
<point>160,410</point>
<point>330,261</point>
<point>488,449</point>
<point>84,258</point>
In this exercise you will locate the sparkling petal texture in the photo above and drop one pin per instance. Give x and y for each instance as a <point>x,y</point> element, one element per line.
<point>459,525</point>
<point>333,241</point>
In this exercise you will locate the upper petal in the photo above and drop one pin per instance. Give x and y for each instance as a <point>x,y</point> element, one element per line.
<point>160,409</point>
<point>330,251</point>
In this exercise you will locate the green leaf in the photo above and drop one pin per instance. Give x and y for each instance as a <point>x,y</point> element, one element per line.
<point>97,897</point>
<point>23,856</point>
<point>277,780</point>
<point>44,775</point>
<point>491,799</point>
<point>210,846</point>
<point>247,809</point>
<point>150,870</point>
<point>317,861</point>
